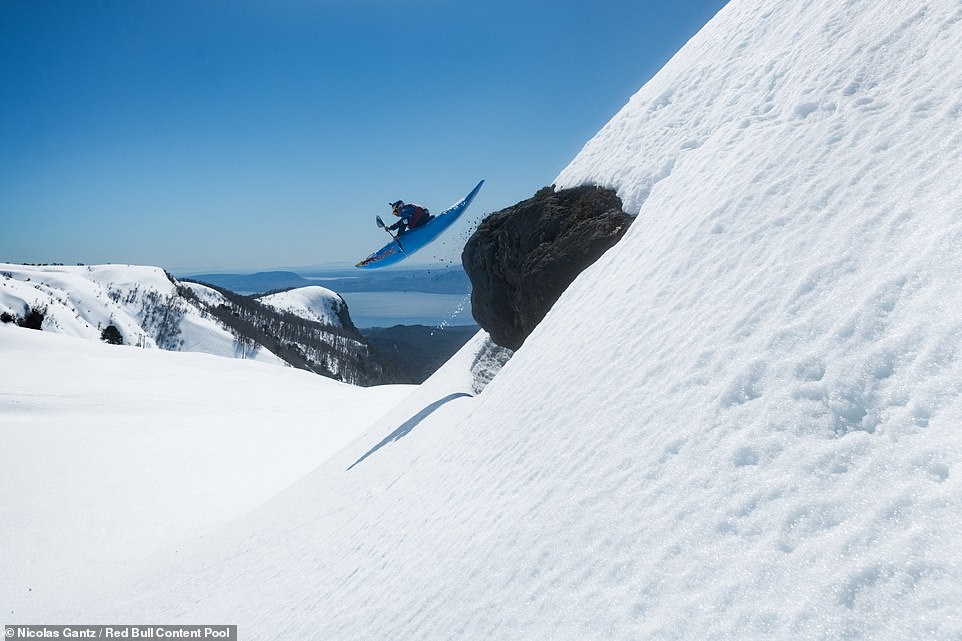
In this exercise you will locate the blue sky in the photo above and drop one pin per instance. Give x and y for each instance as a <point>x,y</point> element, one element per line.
<point>234,134</point>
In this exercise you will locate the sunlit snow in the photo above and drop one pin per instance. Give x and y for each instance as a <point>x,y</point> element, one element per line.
<point>741,423</point>
<point>314,303</point>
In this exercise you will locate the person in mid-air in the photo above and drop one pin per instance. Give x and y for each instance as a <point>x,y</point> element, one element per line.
<point>410,216</point>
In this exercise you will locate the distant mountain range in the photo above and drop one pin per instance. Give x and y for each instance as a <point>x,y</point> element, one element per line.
<point>258,283</point>
<point>447,280</point>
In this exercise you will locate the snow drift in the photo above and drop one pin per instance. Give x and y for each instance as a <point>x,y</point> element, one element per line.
<point>741,422</point>
<point>116,453</point>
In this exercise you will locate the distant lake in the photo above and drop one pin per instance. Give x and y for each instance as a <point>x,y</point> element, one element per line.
<point>387,309</point>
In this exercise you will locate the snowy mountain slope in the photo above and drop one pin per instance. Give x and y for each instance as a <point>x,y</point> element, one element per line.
<point>314,303</point>
<point>142,302</point>
<point>208,295</point>
<point>336,350</point>
<point>115,453</point>
<point>741,422</point>
<point>152,309</point>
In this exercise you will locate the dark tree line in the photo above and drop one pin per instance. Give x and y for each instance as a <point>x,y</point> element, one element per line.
<point>336,352</point>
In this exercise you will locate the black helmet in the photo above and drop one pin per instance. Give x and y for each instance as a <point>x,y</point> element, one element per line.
<point>396,206</point>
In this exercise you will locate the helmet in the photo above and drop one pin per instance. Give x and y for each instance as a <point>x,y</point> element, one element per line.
<point>396,207</point>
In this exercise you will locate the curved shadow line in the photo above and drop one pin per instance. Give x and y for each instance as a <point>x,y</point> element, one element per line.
<point>410,424</point>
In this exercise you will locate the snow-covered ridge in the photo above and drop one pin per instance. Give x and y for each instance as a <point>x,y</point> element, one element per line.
<point>151,309</point>
<point>143,303</point>
<point>768,97</point>
<point>314,303</point>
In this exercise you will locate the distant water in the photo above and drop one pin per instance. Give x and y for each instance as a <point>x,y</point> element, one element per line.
<point>387,309</point>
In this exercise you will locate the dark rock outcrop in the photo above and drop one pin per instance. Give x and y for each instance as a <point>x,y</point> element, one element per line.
<point>522,258</point>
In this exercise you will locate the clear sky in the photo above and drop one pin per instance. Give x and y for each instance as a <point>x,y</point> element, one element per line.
<point>241,134</point>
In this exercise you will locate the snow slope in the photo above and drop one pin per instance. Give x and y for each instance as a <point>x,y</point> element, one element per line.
<point>113,453</point>
<point>314,303</point>
<point>741,423</point>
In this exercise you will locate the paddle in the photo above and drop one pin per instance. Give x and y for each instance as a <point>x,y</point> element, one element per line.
<point>380,223</point>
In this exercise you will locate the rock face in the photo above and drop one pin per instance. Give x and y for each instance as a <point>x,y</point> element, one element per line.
<point>522,258</point>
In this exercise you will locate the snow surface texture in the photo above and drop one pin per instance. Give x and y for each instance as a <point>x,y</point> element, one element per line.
<point>315,303</point>
<point>141,302</point>
<point>742,422</point>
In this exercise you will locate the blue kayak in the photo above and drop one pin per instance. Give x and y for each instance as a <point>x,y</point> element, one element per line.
<point>414,239</point>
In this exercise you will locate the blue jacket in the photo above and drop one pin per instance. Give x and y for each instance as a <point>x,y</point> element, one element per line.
<point>411,216</point>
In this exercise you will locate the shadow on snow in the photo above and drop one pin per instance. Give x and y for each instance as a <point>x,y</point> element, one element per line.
<point>410,424</point>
